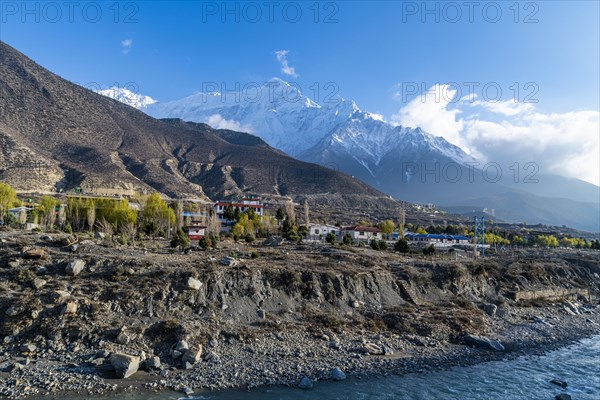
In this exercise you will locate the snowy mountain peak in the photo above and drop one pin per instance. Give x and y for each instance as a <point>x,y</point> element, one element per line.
<point>128,97</point>
<point>278,112</point>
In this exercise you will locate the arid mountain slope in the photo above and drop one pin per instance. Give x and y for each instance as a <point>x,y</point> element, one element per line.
<point>57,135</point>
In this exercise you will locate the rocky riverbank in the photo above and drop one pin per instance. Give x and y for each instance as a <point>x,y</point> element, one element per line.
<point>77,321</point>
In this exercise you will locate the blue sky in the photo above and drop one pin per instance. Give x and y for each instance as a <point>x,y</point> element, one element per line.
<point>365,48</point>
<point>372,51</point>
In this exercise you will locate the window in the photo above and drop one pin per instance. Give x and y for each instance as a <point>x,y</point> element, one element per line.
<point>362,234</point>
<point>316,231</point>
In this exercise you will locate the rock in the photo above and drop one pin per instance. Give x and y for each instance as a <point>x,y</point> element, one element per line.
<point>228,261</point>
<point>387,351</point>
<point>103,353</point>
<point>12,311</point>
<point>99,235</point>
<point>182,346</point>
<point>60,296</point>
<point>187,365</point>
<point>484,342</point>
<point>193,355</point>
<point>305,383</point>
<point>38,283</point>
<point>152,363</point>
<point>123,337</point>
<point>562,396</point>
<point>373,349</point>
<point>261,314</point>
<point>176,354</point>
<point>490,309</point>
<point>75,267</point>
<point>574,310</point>
<point>559,382</point>
<point>124,364</point>
<point>212,356</point>
<point>70,308</point>
<point>46,238</point>
<point>14,263</point>
<point>337,374</point>
<point>98,361</point>
<point>193,283</point>
<point>188,391</point>
<point>34,253</point>
<point>28,348</point>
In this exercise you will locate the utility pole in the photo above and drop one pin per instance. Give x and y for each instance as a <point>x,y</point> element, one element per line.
<point>478,236</point>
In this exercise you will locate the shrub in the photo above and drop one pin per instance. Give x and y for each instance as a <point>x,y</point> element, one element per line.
<point>402,246</point>
<point>180,239</point>
<point>347,240</point>
<point>330,238</point>
<point>374,244</point>
<point>254,254</point>
<point>249,238</point>
<point>204,242</point>
<point>382,245</point>
<point>429,250</point>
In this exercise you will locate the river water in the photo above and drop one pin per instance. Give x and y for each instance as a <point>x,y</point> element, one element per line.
<point>524,378</point>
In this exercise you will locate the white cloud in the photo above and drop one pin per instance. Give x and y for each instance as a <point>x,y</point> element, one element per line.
<point>507,107</point>
<point>431,113</point>
<point>218,122</point>
<point>126,45</point>
<point>566,144</point>
<point>285,66</point>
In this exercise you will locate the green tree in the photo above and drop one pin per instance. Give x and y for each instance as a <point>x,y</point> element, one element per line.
<point>8,199</point>
<point>157,216</point>
<point>382,245</point>
<point>47,210</point>
<point>387,227</point>
<point>228,213</point>
<point>280,214</point>
<point>374,244</point>
<point>421,231</point>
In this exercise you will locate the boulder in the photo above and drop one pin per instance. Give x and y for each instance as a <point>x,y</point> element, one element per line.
<point>34,253</point>
<point>125,365</point>
<point>28,348</point>
<point>152,363</point>
<point>70,308</point>
<point>559,382</point>
<point>337,374</point>
<point>182,346</point>
<point>373,349</point>
<point>193,283</point>
<point>193,355</point>
<point>490,309</point>
<point>562,396</point>
<point>305,383</point>
<point>75,267</point>
<point>38,283</point>
<point>212,356</point>
<point>12,311</point>
<point>261,314</point>
<point>484,342</point>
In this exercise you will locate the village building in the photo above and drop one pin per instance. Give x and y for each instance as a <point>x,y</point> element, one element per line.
<point>196,232</point>
<point>360,233</point>
<point>320,231</point>
<point>247,203</point>
<point>437,239</point>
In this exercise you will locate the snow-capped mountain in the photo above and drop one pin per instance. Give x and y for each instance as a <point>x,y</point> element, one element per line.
<point>128,97</point>
<point>276,112</point>
<point>290,121</point>
<point>406,162</point>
